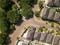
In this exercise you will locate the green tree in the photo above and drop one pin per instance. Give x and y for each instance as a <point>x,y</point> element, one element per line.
<point>26,11</point>
<point>41,4</point>
<point>14,6</point>
<point>3,22</point>
<point>3,3</point>
<point>12,16</point>
<point>52,24</point>
<point>37,14</point>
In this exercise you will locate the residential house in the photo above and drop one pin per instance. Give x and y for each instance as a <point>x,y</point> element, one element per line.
<point>56,40</point>
<point>44,13</point>
<point>37,35</point>
<point>30,34</point>
<point>51,14</point>
<point>49,38</point>
<point>57,17</point>
<point>43,37</point>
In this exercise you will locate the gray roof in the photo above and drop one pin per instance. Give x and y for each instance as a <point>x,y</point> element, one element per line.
<point>30,34</point>
<point>59,42</point>
<point>44,13</point>
<point>57,2</point>
<point>50,3</point>
<point>57,17</point>
<point>51,14</point>
<point>24,44</point>
<point>56,40</point>
<point>37,36</point>
<point>49,38</point>
<point>43,37</point>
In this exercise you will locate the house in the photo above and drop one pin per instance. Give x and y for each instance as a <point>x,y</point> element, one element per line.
<point>30,34</point>
<point>52,3</point>
<point>56,40</point>
<point>57,3</point>
<point>49,38</point>
<point>37,35</point>
<point>59,42</point>
<point>51,14</point>
<point>57,17</point>
<point>43,37</point>
<point>44,13</point>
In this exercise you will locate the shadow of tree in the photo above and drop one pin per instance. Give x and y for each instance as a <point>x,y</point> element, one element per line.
<point>30,16</point>
<point>8,40</point>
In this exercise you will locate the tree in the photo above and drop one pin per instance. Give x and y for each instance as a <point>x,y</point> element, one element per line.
<point>41,4</point>
<point>26,11</point>
<point>12,16</point>
<point>14,6</point>
<point>3,3</point>
<point>37,14</point>
<point>52,24</point>
<point>23,3</point>
<point>3,23</point>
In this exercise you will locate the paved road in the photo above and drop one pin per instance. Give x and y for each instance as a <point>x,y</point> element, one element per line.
<point>32,21</point>
<point>20,29</point>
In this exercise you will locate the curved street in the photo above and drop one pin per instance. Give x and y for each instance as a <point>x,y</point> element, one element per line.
<point>19,29</point>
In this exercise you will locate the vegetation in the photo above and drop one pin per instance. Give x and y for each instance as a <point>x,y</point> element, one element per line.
<point>13,16</point>
<point>52,31</point>
<point>45,30</point>
<point>40,29</point>
<point>58,33</point>
<point>58,10</point>
<point>46,22</point>
<point>52,24</point>
<point>18,38</point>
<point>41,4</point>
<point>26,11</point>
<point>9,16</point>
<point>37,13</point>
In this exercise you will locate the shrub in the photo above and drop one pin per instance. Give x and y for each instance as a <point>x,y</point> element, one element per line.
<point>46,22</point>
<point>58,33</point>
<point>17,38</point>
<point>58,10</point>
<point>37,14</point>
<point>41,4</point>
<point>52,31</point>
<point>45,30</point>
<point>52,24</point>
<point>40,29</point>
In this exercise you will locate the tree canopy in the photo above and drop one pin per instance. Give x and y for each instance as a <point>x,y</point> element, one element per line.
<point>3,24</point>
<point>12,16</point>
<point>26,11</point>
